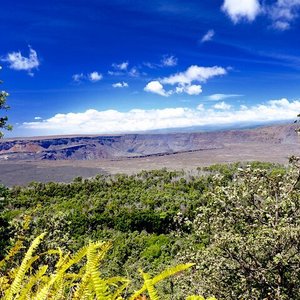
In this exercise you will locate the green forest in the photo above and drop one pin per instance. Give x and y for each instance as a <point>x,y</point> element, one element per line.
<point>235,228</point>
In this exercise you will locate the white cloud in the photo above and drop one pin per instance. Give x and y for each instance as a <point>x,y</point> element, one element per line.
<point>283,13</point>
<point>208,36</point>
<point>134,72</point>
<point>122,66</point>
<point>38,118</point>
<point>21,63</point>
<point>194,73</point>
<point>78,77</point>
<point>169,61</point>
<point>239,10</point>
<point>184,81</point>
<point>219,97</point>
<point>95,76</point>
<point>112,121</point>
<point>222,106</point>
<point>157,88</point>
<point>191,90</point>
<point>120,85</point>
<point>200,107</point>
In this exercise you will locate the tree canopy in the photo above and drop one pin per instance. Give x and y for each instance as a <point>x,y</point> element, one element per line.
<point>3,106</point>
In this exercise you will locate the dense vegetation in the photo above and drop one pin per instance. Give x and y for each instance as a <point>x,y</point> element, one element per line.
<point>240,225</point>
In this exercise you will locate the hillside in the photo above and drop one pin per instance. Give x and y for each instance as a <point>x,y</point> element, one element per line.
<point>138,145</point>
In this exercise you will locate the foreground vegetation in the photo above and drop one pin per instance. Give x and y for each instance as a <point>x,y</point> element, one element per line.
<point>86,283</point>
<point>239,224</point>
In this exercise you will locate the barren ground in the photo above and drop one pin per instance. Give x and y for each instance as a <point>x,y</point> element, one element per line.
<point>21,173</point>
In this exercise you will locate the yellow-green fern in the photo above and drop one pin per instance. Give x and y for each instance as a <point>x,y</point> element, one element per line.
<point>23,283</point>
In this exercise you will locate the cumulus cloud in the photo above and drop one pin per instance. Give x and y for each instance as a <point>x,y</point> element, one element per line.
<point>208,36</point>
<point>219,97</point>
<point>194,73</point>
<point>157,88</point>
<point>112,121</point>
<point>95,76</point>
<point>222,106</point>
<point>19,62</point>
<point>120,84</point>
<point>38,118</point>
<point>239,10</point>
<point>193,89</point>
<point>281,12</point>
<point>184,81</point>
<point>169,61</point>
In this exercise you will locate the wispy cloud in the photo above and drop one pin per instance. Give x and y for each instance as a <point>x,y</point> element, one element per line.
<point>222,106</point>
<point>78,77</point>
<point>19,62</point>
<point>121,66</point>
<point>184,81</point>
<point>93,77</point>
<point>169,61</point>
<point>166,61</point>
<point>283,13</point>
<point>219,97</point>
<point>120,84</point>
<point>112,121</point>
<point>208,36</point>
<point>122,69</point>
<point>134,72</point>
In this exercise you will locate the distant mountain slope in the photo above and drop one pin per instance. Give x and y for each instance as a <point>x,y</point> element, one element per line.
<point>138,145</point>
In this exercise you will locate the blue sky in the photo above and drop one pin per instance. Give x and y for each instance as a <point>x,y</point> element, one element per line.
<point>121,66</point>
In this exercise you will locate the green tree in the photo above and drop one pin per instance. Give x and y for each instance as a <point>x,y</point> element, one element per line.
<point>3,106</point>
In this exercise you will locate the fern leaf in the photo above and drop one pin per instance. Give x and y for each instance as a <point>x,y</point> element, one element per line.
<point>32,281</point>
<point>163,275</point>
<point>194,297</point>
<point>121,288</point>
<point>16,284</point>
<point>150,287</point>
<point>42,295</point>
<point>170,272</point>
<point>12,252</point>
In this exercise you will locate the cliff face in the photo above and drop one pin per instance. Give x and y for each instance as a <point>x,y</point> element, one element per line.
<point>138,145</point>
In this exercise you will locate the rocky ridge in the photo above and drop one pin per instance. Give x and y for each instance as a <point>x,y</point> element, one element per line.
<point>138,145</point>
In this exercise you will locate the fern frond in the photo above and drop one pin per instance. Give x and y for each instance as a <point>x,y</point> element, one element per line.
<point>12,252</point>
<point>16,284</point>
<point>194,297</point>
<point>170,272</point>
<point>42,295</point>
<point>121,288</point>
<point>100,286</point>
<point>150,286</point>
<point>163,275</point>
<point>26,290</point>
